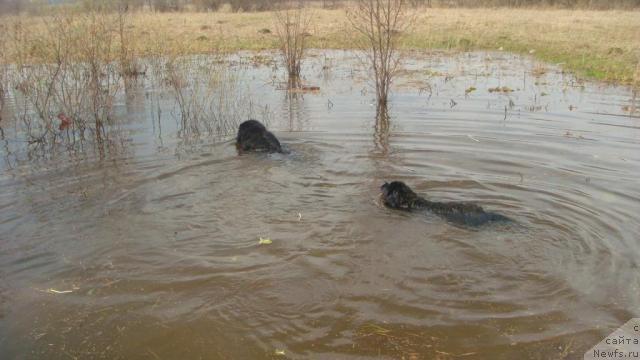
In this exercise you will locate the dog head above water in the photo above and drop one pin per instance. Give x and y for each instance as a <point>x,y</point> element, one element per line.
<point>253,136</point>
<point>398,195</point>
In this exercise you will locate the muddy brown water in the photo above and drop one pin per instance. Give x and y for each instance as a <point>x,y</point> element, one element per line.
<point>152,252</point>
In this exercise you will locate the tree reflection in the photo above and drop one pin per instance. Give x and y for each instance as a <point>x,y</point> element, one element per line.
<point>381,130</point>
<point>294,105</point>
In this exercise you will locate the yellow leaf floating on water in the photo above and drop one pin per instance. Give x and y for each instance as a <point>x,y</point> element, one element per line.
<point>266,241</point>
<point>280,352</point>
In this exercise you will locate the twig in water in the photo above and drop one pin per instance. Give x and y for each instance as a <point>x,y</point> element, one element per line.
<point>54,291</point>
<point>154,354</point>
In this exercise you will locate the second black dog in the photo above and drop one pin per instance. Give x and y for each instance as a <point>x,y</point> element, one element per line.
<point>398,195</point>
<point>253,136</point>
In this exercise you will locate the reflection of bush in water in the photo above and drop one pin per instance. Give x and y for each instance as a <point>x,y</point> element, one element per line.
<point>3,79</point>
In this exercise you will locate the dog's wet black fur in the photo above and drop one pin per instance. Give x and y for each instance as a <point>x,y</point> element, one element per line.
<point>398,195</point>
<point>253,136</point>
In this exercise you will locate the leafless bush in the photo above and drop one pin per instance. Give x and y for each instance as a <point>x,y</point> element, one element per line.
<point>292,25</point>
<point>97,55</point>
<point>67,81</point>
<point>208,94</point>
<point>380,22</point>
<point>128,60</point>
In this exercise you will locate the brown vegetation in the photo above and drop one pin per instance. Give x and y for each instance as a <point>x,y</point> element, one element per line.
<point>67,68</point>
<point>208,95</point>
<point>68,72</point>
<point>579,40</point>
<point>35,7</point>
<point>380,22</point>
<point>292,25</point>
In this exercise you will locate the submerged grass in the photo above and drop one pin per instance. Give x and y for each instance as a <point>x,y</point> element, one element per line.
<point>603,45</point>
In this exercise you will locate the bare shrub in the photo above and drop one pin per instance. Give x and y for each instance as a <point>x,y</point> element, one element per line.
<point>210,98</point>
<point>292,25</point>
<point>380,23</point>
<point>97,53</point>
<point>67,81</point>
<point>128,60</point>
<point>35,75</point>
<point>208,94</point>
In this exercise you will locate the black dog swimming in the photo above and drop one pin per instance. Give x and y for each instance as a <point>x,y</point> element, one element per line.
<point>253,136</point>
<point>398,195</point>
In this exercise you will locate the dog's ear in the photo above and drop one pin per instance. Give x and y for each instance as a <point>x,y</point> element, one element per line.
<point>386,184</point>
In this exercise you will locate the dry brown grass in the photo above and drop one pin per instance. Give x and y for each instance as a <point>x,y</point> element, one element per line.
<point>598,44</point>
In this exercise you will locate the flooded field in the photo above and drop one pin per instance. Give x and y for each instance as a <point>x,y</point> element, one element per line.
<point>148,247</point>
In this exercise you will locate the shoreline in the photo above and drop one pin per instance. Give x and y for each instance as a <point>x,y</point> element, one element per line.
<point>594,44</point>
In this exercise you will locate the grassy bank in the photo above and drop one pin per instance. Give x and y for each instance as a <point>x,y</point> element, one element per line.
<point>603,45</point>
